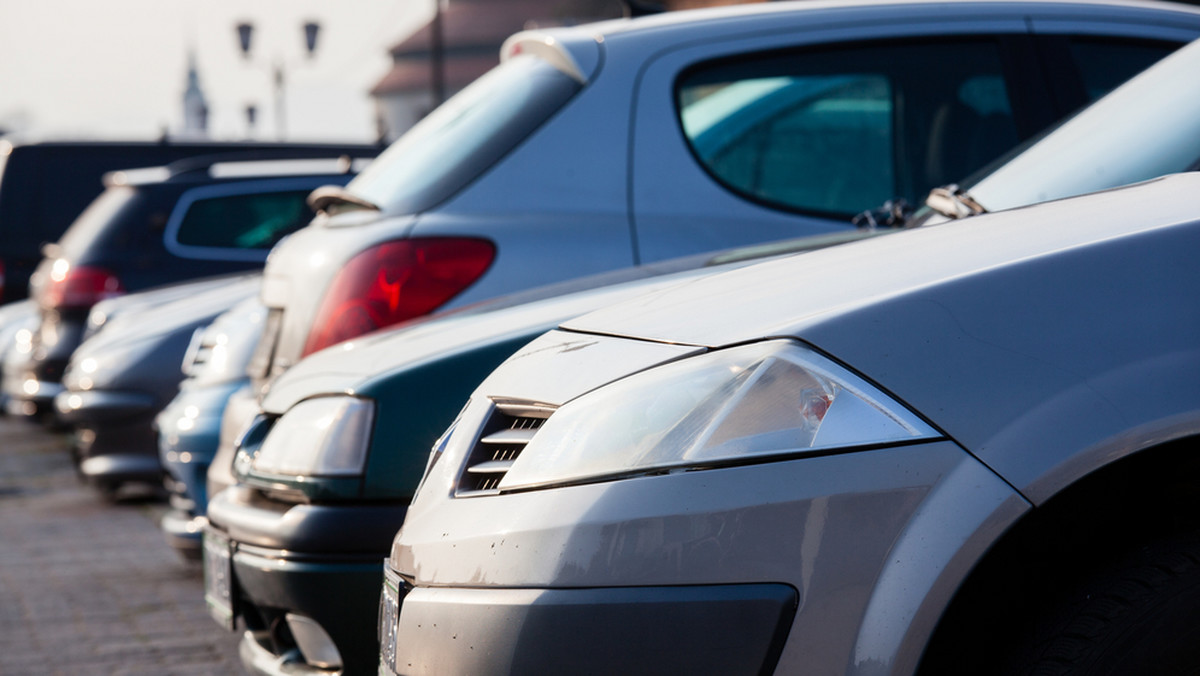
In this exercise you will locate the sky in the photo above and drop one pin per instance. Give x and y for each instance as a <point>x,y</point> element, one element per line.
<point>117,69</point>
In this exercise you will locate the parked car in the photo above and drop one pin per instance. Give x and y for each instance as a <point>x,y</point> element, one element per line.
<point>189,427</point>
<point>118,381</point>
<point>17,349</point>
<point>198,218</point>
<point>17,320</point>
<point>603,146</point>
<point>957,449</point>
<point>323,503</point>
<point>44,185</point>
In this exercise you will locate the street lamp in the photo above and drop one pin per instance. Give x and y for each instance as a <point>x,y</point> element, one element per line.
<point>437,55</point>
<point>245,33</point>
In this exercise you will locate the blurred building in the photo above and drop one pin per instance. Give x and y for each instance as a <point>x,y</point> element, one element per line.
<point>471,32</point>
<point>195,106</point>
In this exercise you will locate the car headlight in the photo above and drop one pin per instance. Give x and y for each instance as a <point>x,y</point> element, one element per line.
<point>772,399</point>
<point>322,437</point>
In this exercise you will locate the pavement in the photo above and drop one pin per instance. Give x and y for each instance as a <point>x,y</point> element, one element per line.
<point>88,586</point>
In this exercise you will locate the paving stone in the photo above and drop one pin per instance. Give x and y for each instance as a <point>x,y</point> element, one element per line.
<point>91,587</point>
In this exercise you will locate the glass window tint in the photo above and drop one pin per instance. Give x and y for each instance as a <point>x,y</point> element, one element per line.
<point>1105,64</point>
<point>465,135</point>
<point>1147,128</point>
<point>842,130</point>
<point>255,221</point>
<point>101,222</point>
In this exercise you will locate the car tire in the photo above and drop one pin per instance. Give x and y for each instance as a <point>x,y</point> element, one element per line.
<point>1139,616</point>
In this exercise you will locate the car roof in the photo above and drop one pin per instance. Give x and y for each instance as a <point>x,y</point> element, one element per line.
<point>771,11</point>
<point>215,168</point>
<point>713,22</point>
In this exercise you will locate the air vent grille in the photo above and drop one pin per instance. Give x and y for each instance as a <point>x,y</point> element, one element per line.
<point>509,429</point>
<point>199,352</point>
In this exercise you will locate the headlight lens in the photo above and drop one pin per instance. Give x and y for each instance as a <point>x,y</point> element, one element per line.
<point>328,436</point>
<point>765,399</point>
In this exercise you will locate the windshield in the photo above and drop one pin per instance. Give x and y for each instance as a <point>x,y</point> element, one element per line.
<point>1147,128</point>
<point>464,136</point>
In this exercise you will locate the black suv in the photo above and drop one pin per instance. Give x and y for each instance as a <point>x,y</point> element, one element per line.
<point>197,218</point>
<point>44,186</point>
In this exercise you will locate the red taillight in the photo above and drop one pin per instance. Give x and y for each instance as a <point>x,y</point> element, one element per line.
<point>78,286</point>
<point>395,281</point>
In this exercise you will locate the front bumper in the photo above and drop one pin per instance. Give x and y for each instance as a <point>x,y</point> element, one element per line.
<point>873,544</point>
<point>320,562</point>
<point>709,629</point>
<point>115,442</point>
<point>27,395</point>
<point>33,379</point>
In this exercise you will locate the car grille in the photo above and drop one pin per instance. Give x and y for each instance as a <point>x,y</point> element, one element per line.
<point>508,430</point>
<point>199,351</point>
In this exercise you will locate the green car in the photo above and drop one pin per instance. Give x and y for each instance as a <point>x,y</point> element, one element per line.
<point>325,473</point>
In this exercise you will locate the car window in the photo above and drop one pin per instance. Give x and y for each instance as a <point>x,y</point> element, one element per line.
<point>1147,128</point>
<point>95,225</point>
<point>251,221</point>
<point>465,136</point>
<point>1104,64</point>
<point>841,130</point>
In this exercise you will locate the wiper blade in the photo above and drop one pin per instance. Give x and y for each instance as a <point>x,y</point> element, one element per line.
<point>327,196</point>
<point>953,202</point>
<point>891,214</point>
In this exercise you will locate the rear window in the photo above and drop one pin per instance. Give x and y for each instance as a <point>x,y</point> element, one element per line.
<point>91,228</point>
<point>465,136</point>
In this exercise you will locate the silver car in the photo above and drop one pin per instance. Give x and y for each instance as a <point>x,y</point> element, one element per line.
<point>609,145</point>
<point>961,449</point>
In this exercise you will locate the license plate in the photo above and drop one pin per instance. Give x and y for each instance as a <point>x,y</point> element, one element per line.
<point>218,578</point>
<point>389,619</point>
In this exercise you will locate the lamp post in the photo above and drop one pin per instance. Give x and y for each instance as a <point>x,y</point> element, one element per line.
<point>437,56</point>
<point>245,33</point>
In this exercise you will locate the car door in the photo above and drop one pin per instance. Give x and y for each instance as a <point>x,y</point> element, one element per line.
<point>797,134</point>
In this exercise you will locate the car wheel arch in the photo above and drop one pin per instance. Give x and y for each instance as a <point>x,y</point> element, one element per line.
<point>1091,523</point>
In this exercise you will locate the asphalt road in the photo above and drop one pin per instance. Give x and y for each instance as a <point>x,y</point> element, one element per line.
<point>88,586</point>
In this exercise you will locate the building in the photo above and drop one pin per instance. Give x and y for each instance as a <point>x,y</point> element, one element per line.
<point>472,32</point>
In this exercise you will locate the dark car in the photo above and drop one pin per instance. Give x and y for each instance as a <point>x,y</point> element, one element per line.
<point>197,218</point>
<point>119,379</point>
<point>44,186</point>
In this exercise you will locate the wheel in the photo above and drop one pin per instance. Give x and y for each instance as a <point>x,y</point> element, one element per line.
<point>1139,616</point>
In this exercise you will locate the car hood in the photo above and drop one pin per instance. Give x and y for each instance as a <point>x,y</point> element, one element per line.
<point>107,310</point>
<point>1034,337</point>
<point>353,365</point>
<point>171,311</point>
<point>793,296</point>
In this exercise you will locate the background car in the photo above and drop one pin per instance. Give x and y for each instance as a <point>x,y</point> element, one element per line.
<point>628,142</point>
<point>118,380</point>
<point>845,462</point>
<point>189,427</point>
<point>45,185</point>
<point>16,318</point>
<point>198,218</point>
